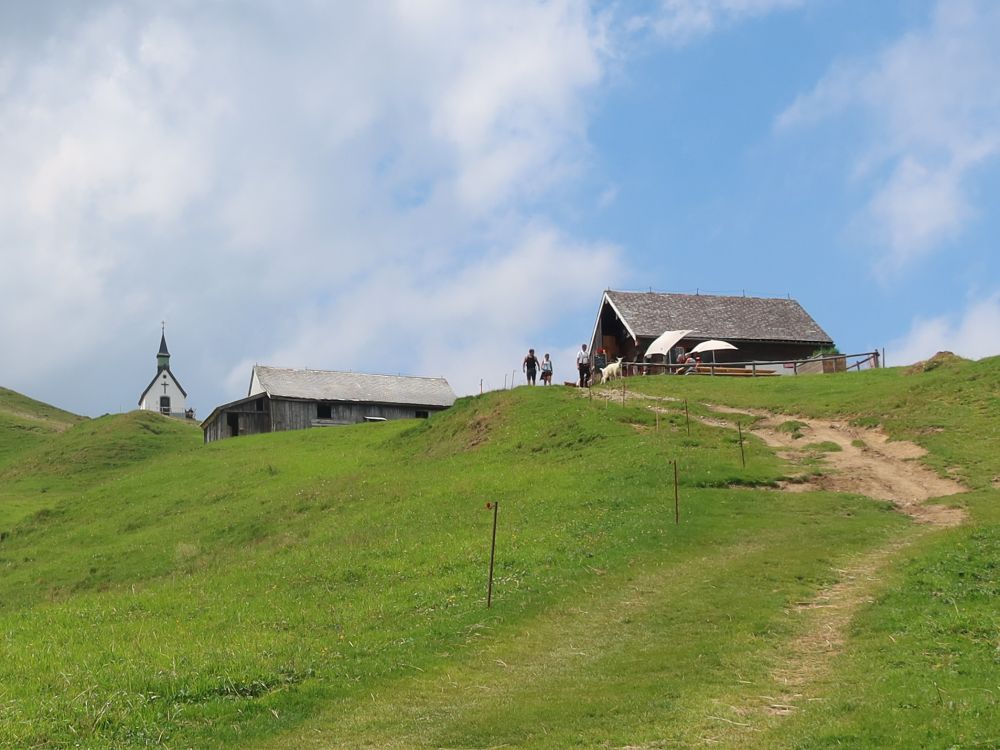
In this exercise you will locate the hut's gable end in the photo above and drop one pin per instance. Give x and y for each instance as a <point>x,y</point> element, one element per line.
<point>255,386</point>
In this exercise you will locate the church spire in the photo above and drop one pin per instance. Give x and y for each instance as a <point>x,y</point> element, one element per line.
<point>163,356</point>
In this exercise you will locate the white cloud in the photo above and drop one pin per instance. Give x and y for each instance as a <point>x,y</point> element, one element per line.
<point>681,21</point>
<point>297,185</point>
<point>918,207</point>
<point>482,315</point>
<point>973,334</point>
<point>340,185</point>
<point>931,101</point>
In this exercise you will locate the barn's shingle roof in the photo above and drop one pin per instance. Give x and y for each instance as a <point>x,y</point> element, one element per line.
<point>327,385</point>
<point>649,314</point>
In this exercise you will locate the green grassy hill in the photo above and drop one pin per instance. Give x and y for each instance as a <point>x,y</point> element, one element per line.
<point>327,588</point>
<point>25,422</point>
<point>26,425</point>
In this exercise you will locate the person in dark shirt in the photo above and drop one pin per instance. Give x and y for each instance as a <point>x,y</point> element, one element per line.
<point>530,366</point>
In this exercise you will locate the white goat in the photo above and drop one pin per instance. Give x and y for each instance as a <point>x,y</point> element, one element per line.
<point>612,371</point>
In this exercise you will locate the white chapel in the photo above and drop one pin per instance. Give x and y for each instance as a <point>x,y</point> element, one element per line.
<point>164,393</point>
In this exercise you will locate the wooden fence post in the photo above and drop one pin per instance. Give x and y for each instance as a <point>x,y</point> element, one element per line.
<point>677,497</point>
<point>493,546</point>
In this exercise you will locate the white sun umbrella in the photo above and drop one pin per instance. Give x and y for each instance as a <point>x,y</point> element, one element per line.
<point>712,345</point>
<point>665,342</point>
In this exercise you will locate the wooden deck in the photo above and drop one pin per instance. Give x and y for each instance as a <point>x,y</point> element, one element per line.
<point>739,372</point>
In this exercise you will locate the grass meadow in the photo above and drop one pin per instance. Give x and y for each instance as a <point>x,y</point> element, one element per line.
<point>327,588</point>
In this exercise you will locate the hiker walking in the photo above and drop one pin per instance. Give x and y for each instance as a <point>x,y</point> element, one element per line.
<point>583,363</point>
<point>546,370</point>
<point>530,366</point>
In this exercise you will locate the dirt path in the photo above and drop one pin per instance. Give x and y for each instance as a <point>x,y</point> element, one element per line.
<point>867,463</point>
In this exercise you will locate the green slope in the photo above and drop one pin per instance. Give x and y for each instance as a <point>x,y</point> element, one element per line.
<point>327,588</point>
<point>24,423</point>
<point>90,450</point>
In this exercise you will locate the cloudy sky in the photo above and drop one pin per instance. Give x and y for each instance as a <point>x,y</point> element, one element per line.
<point>432,186</point>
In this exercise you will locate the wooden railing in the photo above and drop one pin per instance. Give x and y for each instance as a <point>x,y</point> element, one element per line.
<point>826,363</point>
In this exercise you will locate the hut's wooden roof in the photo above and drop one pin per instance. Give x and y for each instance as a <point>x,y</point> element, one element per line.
<point>329,385</point>
<point>648,314</point>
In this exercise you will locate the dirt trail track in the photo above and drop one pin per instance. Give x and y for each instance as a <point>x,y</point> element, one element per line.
<point>868,463</point>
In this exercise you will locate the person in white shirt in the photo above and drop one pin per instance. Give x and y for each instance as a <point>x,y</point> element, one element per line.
<point>583,363</point>
<point>547,370</point>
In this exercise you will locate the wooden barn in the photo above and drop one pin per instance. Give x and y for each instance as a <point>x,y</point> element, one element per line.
<point>763,329</point>
<point>285,399</point>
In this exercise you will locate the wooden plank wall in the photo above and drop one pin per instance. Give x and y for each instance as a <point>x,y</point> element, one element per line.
<point>279,415</point>
<point>292,415</point>
<point>299,415</point>
<point>253,418</point>
<point>250,423</point>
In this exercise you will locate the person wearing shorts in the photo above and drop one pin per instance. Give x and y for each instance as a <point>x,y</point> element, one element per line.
<point>530,366</point>
<point>546,370</point>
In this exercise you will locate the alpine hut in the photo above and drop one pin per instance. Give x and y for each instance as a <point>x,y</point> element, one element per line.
<point>762,328</point>
<point>289,399</point>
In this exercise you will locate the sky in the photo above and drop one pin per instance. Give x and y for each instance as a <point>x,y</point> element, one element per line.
<point>430,187</point>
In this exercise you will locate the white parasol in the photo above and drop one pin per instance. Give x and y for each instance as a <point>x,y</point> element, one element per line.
<point>712,345</point>
<point>665,342</point>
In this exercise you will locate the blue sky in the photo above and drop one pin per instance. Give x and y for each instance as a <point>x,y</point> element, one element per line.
<point>433,187</point>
